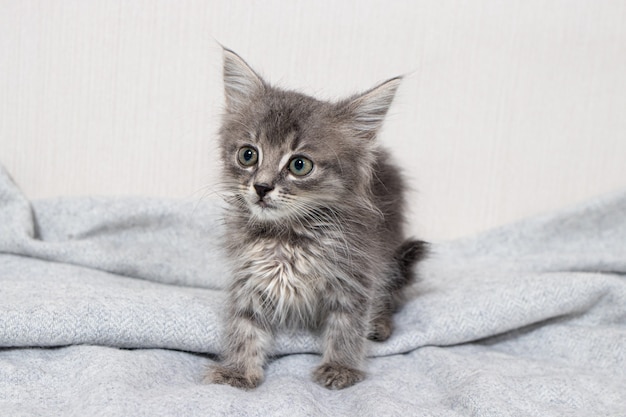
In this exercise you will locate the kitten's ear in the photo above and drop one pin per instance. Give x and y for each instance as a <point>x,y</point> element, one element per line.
<point>240,81</point>
<point>367,111</point>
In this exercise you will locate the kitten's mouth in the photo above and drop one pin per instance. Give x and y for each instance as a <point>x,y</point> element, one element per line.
<point>264,204</point>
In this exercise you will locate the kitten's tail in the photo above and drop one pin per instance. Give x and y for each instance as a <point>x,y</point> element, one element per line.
<point>408,254</point>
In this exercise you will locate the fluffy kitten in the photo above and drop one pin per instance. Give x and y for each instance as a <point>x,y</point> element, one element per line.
<point>314,226</point>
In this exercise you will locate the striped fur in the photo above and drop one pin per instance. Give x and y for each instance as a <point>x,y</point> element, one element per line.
<point>323,251</point>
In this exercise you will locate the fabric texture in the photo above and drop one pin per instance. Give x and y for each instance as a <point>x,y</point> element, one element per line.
<point>114,306</point>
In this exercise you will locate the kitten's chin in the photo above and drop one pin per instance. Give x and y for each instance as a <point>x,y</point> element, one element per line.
<point>265,212</point>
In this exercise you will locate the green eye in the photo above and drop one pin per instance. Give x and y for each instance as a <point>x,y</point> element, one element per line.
<point>300,166</point>
<point>247,156</point>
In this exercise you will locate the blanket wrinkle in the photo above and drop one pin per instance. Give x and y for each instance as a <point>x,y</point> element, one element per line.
<point>135,237</point>
<point>16,216</point>
<point>115,306</point>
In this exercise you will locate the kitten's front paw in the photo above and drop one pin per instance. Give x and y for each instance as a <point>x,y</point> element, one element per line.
<point>335,376</point>
<point>218,374</point>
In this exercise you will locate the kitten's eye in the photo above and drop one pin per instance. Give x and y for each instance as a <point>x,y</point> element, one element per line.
<point>247,156</point>
<point>300,166</point>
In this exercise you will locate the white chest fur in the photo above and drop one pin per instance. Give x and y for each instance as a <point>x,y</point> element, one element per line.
<point>287,278</point>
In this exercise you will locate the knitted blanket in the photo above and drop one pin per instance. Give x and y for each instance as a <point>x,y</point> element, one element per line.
<point>114,306</point>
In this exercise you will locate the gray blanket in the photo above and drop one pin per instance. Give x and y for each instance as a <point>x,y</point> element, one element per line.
<point>113,306</point>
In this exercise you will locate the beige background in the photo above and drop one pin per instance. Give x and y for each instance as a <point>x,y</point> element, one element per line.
<point>510,107</point>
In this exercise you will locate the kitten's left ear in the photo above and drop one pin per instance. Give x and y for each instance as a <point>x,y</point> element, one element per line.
<point>367,111</point>
<point>241,83</point>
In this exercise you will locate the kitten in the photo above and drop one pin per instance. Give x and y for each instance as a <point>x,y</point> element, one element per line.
<point>314,225</point>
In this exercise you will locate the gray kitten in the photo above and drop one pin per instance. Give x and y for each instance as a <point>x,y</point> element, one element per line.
<point>314,227</point>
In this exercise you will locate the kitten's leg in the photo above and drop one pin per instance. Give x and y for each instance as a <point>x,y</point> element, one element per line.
<point>245,352</point>
<point>381,318</point>
<point>391,296</point>
<point>386,301</point>
<point>344,349</point>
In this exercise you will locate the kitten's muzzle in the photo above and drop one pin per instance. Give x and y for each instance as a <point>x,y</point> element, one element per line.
<point>262,189</point>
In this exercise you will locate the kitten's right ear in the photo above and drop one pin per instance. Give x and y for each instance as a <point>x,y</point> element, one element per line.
<point>240,81</point>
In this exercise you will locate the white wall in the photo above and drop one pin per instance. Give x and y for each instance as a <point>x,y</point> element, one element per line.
<point>510,108</point>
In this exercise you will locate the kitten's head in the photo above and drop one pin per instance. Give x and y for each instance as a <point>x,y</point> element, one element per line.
<point>287,155</point>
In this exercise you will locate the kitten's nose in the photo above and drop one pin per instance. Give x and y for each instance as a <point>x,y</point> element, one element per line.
<point>262,189</point>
